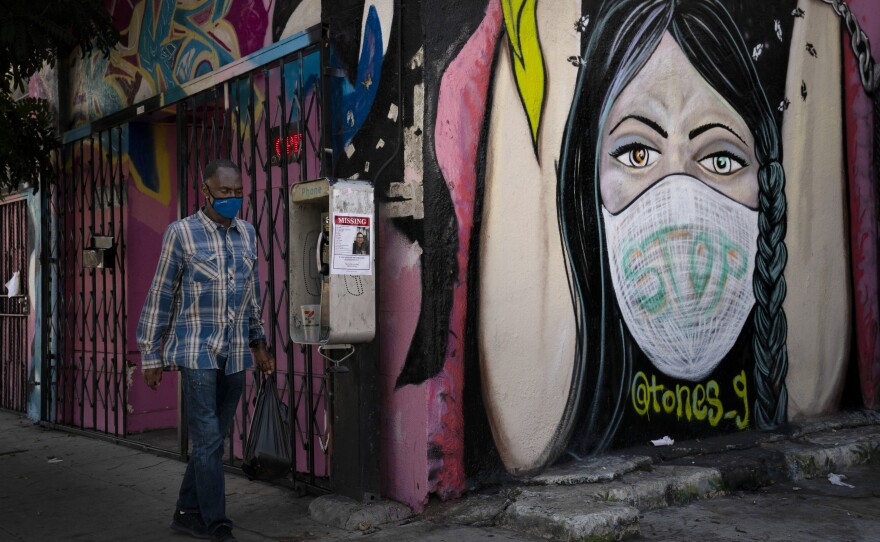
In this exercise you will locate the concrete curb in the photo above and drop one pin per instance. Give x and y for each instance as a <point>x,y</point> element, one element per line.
<point>559,515</point>
<point>822,454</point>
<point>344,513</point>
<point>601,498</point>
<point>591,471</point>
<point>606,510</point>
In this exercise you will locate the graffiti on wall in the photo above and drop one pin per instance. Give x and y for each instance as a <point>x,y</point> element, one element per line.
<point>166,44</point>
<point>628,183</point>
<point>354,94</point>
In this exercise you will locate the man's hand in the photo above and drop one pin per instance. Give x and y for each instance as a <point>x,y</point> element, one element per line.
<point>153,377</point>
<point>263,358</point>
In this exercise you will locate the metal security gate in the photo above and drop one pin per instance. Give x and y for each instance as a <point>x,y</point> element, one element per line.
<point>14,310</point>
<point>268,121</point>
<point>97,205</point>
<point>86,344</point>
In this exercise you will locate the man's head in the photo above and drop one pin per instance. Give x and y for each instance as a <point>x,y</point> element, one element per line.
<point>222,187</point>
<point>222,179</point>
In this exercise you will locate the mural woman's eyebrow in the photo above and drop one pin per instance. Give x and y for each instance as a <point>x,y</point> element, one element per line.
<point>706,127</point>
<point>648,122</point>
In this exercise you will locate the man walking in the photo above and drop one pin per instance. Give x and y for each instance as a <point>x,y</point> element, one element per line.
<point>202,314</point>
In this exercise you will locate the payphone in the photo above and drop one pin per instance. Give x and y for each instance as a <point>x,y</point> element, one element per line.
<point>332,262</point>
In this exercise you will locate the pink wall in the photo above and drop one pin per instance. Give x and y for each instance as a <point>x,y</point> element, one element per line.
<point>152,201</point>
<point>404,423</point>
<point>863,211</point>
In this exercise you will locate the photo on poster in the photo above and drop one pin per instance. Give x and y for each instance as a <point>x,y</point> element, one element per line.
<point>352,244</point>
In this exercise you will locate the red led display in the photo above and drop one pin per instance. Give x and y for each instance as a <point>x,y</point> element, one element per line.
<point>291,149</point>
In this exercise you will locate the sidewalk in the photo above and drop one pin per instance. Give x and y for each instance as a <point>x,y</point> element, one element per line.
<point>57,486</point>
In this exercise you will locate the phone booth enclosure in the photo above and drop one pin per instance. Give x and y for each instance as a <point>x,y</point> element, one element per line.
<point>336,269</point>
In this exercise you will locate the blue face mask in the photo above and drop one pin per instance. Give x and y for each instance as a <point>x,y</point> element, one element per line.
<point>226,207</point>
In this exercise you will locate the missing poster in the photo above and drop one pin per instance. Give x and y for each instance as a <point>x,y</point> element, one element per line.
<point>352,244</point>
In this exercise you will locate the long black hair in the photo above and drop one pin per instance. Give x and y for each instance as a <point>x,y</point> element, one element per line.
<point>621,39</point>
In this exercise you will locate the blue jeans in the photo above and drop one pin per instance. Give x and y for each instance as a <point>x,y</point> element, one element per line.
<point>210,397</point>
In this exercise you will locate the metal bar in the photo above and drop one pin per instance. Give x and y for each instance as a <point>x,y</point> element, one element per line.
<point>270,209</point>
<point>310,421</point>
<point>115,225</point>
<point>4,380</point>
<point>67,268</point>
<point>235,111</point>
<point>122,247</point>
<point>21,365</point>
<point>45,292</point>
<point>61,236</point>
<point>5,326</point>
<point>93,309</point>
<point>214,128</point>
<point>104,318</point>
<point>80,321</point>
<point>230,115</point>
<point>252,172</point>
<point>286,346</point>
<point>185,131</point>
<point>74,272</point>
<point>227,117</point>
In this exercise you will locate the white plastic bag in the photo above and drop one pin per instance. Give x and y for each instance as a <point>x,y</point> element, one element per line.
<point>838,480</point>
<point>13,285</point>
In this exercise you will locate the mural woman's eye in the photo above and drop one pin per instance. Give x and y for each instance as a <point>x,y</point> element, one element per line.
<point>723,163</point>
<point>635,155</point>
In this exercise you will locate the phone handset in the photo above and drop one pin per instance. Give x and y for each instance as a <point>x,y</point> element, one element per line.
<point>318,263</point>
<point>322,249</point>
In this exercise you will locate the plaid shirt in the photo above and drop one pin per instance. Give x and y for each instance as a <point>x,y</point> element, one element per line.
<point>203,304</point>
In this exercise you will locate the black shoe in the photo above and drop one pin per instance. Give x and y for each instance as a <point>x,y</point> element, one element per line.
<point>190,523</point>
<point>223,533</point>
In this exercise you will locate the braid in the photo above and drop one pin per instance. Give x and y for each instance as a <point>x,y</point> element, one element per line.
<point>771,328</point>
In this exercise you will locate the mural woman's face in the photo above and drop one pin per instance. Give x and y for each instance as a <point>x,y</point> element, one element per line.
<point>679,186</point>
<point>668,120</point>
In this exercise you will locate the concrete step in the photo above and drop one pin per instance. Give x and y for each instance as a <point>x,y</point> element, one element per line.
<point>558,513</point>
<point>606,510</point>
<point>662,486</point>
<point>590,471</point>
<point>819,454</point>
<point>601,498</point>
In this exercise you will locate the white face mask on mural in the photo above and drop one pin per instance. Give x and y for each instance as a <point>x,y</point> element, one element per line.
<point>682,258</point>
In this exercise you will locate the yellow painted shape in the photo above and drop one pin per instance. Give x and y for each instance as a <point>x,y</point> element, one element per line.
<point>520,17</point>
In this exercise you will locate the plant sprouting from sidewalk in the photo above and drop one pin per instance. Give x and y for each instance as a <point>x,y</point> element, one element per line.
<point>868,454</point>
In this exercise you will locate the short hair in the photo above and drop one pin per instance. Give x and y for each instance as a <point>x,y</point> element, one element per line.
<point>214,165</point>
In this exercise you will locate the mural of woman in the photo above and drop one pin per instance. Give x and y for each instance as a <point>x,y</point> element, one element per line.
<point>672,210</point>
